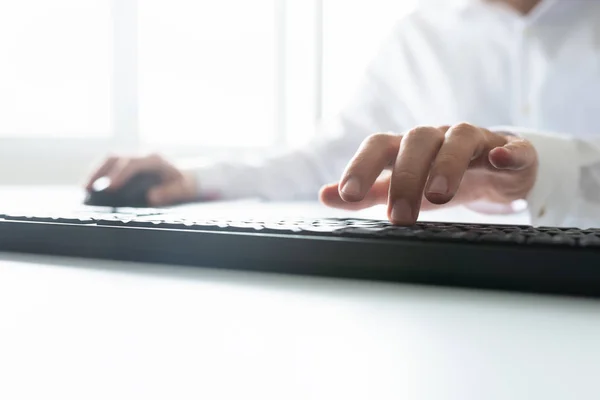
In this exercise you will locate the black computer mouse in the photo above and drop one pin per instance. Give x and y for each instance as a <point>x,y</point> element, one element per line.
<point>134,193</point>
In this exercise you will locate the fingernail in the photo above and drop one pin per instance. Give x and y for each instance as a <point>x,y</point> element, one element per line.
<point>402,211</point>
<point>351,187</point>
<point>439,185</point>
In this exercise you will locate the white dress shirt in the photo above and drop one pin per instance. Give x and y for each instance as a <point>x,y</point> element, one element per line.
<point>451,61</point>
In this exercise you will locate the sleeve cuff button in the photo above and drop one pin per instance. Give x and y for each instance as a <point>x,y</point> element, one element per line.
<point>542,212</point>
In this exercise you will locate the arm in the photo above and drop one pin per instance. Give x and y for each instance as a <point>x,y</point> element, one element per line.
<point>377,107</point>
<point>299,174</point>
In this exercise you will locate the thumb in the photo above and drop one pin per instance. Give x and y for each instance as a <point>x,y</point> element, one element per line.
<point>516,155</point>
<point>167,193</point>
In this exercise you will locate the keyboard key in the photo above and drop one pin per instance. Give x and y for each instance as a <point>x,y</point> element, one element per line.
<point>540,238</point>
<point>590,240</point>
<point>566,240</point>
<point>344,227</point>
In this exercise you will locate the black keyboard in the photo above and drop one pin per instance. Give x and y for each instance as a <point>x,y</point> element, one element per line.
<point>506,257</point>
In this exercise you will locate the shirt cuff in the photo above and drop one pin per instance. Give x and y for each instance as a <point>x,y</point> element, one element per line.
<point>552,198</point>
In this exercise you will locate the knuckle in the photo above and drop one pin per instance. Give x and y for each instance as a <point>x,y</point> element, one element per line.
<point>154,158</point>
<point>405,178</point>
<point>523,144</point>
<point>447,160</point>
<point>125,167</point>
<point>465,126</point>
<point>111,159</point>
<point>378,140</point>
<point>123,162</point>
<point>423,134</point>
<point>464,131</point>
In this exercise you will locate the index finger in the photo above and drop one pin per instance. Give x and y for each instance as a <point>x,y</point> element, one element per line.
<point>417,151</point>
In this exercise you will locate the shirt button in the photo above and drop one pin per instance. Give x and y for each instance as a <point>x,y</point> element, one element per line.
<point>526,109</point>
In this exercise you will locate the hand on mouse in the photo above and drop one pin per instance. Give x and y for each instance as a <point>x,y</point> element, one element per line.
<point>176,186</point>
<point>434,166</point>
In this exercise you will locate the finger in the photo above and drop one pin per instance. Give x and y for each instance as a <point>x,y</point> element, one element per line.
<point>377,194</point>
<point>329,196</point>
<point>101,171</point>
<point>516,155</point>
<point>125,170</point>
<point>464,146</point>
<point>417,151</point>
<point>374,154</point>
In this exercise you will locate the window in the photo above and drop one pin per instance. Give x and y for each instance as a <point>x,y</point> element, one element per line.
<point>55,74</point>
<point>188,77</point>
<point>207,72</point>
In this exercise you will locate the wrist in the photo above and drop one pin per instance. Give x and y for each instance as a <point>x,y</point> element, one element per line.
<point>202,184</point>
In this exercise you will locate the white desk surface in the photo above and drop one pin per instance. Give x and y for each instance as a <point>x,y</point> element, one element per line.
<point>82,329</point>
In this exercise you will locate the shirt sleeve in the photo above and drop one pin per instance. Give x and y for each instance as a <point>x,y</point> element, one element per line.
<point>567,190</point>
<point>299,174</point>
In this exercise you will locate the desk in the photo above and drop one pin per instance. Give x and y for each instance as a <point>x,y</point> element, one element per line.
<point>84,329</point>
<point>74,329</point>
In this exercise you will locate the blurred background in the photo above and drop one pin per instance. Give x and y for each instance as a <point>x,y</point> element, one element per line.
<point>188,78</point>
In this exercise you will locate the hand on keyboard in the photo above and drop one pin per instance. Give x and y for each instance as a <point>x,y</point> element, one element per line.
<point>433,167</point>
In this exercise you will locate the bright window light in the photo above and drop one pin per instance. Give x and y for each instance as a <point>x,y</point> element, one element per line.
<point>55,73</point>
<point>207,72</point>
